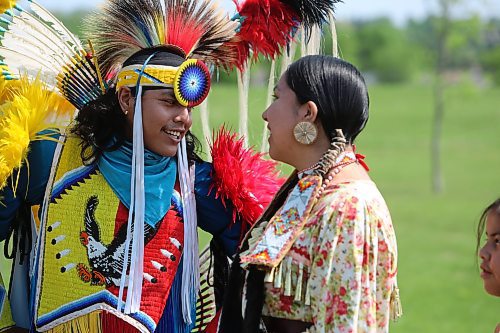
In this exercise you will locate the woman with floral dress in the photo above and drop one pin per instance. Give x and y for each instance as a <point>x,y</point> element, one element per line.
<point>323,257</point>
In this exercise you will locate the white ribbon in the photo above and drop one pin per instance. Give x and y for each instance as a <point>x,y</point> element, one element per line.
<point>190,266</point>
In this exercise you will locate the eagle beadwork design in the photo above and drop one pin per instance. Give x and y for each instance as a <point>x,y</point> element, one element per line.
<point>105,260</point>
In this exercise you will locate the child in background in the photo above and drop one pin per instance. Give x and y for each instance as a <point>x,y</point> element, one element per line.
<point>490,252</point>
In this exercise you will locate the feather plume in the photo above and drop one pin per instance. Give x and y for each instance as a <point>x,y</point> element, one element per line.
<point>31,30</point>
<point>21,121</point>
<point>312,12</point>
<point>201,29</point>
<point>27,32</point>
<point>61,60</point>
<point>242,177</point>
<point>17,62</point>
<point>124,27</point>
<point>57,26</point>
<point>266,27</point>
<point>6,5</point>
<point>6,89</point>
<point>79,83</point>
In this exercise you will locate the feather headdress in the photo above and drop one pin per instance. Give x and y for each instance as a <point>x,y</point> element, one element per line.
<point>124,27</point>
<point>39,45</point>
<point>35,49</point>
<point>312,12</point>
<point>268,26</point>
<point>23,117</point>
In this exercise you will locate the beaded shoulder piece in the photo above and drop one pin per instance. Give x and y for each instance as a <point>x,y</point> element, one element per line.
<point>269,243</point>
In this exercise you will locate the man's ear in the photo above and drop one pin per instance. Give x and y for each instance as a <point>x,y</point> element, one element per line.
<point>308,112</point>
<point>125,99</point>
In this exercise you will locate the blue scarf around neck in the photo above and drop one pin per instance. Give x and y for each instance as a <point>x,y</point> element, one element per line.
<point>160,174</point>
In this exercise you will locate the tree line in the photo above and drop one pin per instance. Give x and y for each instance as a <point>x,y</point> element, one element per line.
<point>400,54</point>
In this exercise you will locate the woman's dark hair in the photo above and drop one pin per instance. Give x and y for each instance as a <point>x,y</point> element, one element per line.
<point>102,119</point>
<point>338,90</point>
<point>494,207</point>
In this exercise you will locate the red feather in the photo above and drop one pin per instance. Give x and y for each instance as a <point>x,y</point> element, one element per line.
<point>267,26</point>
<point>242,177</point>
<point>182,33</point>
<point>242,50</point>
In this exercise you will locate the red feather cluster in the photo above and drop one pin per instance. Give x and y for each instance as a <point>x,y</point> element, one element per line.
<point>242,177</point>
<point>266,27</point>
<point>181,33</point>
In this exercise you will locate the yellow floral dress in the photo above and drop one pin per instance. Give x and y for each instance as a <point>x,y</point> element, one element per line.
<point>340,273</point>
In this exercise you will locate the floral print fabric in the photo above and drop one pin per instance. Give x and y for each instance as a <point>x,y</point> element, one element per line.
<point>348,253</point>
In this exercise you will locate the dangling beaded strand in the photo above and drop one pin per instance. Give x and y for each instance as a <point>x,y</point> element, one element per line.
<point>327,161</point>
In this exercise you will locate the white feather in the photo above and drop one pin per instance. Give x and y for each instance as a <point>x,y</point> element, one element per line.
<point>64,33</point>
<point>20,35</point>
<point>44,47</point>
<point>41,32</point>
<point>243,88</point>
<point>19,63</point>
<point>21,45</point>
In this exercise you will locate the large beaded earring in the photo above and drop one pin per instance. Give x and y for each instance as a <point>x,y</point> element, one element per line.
<point>305,132</point>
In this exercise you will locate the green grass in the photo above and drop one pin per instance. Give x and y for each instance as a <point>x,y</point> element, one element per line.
<point>440,286</point>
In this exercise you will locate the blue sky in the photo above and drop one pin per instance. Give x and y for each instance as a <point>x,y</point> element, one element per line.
<point>398,10</point>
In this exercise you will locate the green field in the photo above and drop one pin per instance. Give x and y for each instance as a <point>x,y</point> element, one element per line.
<point>440,285</point>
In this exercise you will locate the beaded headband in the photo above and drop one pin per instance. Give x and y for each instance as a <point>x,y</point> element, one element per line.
<point>190,81</point>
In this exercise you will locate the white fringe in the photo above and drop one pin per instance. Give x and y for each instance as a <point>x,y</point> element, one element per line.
<point>243,88</point>
<point>135,227</point>
<point>205,125</point>
<point>264,147</point>
<point>335,46</point>
<point>190,265</point>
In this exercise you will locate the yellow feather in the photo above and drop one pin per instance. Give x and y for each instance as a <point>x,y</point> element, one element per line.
<point>21,121</point>
<point>6,5</point>
<point>6,88</point>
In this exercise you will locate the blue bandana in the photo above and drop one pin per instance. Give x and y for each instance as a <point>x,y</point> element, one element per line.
<point>159,179</point>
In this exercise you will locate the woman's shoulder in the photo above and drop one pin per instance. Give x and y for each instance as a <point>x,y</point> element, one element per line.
<point>361,196</point>
<point>357,191</point>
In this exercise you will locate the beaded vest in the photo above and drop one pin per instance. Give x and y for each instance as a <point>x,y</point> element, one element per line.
<point>81,247</point>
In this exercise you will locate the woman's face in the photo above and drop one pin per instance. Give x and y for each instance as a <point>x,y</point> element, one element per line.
<point>281,117</point>
<point>165,122</point>
<point>490,255</point>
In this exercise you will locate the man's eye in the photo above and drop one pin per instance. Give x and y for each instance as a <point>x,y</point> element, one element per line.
<point>275,97</point>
